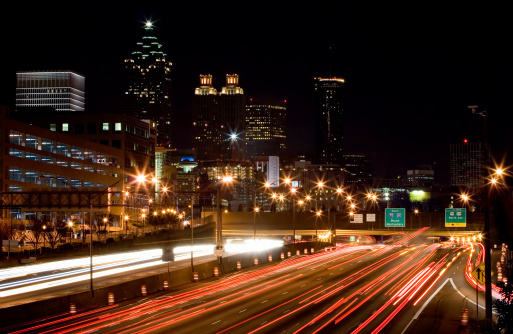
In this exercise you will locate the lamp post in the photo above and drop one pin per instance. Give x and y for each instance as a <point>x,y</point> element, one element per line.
<point>255,210</point>
<point>44,238</point>
<point>226,180</point>
<point>70,224</point>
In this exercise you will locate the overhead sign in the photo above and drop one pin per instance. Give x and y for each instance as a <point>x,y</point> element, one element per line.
<point>456,217</point>
<point>479,273</point>
<point>351,238</point>
<point>357,218</point>
<point>371,217</point>
<point>394,217</point>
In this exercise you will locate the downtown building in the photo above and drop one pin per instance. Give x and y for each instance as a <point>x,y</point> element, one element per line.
<point>329,134</point>
<point>265,130</point>
<point>466,165</point>
<point>219,120</point>
<point>63,91</point>
<point>148,85</point>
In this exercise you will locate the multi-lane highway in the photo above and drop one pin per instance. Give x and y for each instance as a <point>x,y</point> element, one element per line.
<point>354,289</point>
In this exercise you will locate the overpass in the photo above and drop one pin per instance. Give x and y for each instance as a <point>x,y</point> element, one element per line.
<point>308,223</point>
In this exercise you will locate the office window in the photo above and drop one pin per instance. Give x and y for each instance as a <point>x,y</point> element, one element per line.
<point>117,126</point>
<point>15,137</point>
<point>75,165</point>
<point>79,129</point>
<point>76,183</point>
<point>91,128</point>
<point>63,149</point>
<point>15,153</point>
<point>105,127</point>
<point>62,163</point>
<point>31,176</point>
<point>48,160</point>
<point>32,156</point>
<point>32,142</point>
<point>116,143</point>
<point>47,145</point>
<point>76,153</point>
<point>65,127</point>
<point>53,127</point>
<point>16,174</point>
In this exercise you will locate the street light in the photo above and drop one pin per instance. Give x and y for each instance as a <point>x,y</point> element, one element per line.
<point>255,210</point>
<point>44,238</point>
<point>70,225</point>
<point>226,180</point>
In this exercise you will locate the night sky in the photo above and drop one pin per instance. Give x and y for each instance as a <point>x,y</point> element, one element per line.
<point>410,71</point>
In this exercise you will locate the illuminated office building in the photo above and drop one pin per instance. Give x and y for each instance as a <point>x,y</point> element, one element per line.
<point>329,135</point>
<point>148,85</point>
<point>466,165</point>
<point>265,130</point>
<point>63,91</point>
<point>219,120</point>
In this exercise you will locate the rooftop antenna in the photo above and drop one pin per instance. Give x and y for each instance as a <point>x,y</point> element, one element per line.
<point>329,60</point>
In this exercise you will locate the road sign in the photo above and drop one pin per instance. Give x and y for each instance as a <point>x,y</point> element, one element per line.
<point>351,238</point>
<point>479,273</point>
<point>456,217</point>
<point>394,217</point>
<point>371,217</point>
<point>357,218</point>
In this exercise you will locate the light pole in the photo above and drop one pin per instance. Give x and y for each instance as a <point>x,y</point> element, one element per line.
<point>44,238</point>
<point>226,180</point>
<point>70,224</point>
<point>255,210</point>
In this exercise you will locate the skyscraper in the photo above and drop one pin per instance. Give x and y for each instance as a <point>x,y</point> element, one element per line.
<point>148,85</point>
<point>329,134</point>
<point>265,129</point>
<point>62,90</point>
<point>219,120</point>
<point>467,165</point>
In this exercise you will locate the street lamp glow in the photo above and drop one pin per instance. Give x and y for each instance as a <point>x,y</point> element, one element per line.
<point>233,136</point>
<point>320,184</point>
<point>257,209</point>
<point>293,190</point>
<point>416,211</point>
<point>349,197</point>
<point>154,179</point>
<point>227,179</point>
<point>141,178</point>
<point>267,184</point>
<point>318,213</point>
<point>287,180</point>
<point>339,191</point>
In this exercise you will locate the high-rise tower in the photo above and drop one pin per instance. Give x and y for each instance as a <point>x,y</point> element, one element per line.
<point>148,85</point>
<point>329,134</point>
<point>467,165</point>
<point>219,120</point>
<point>62,90</point>
<point>265,129</point>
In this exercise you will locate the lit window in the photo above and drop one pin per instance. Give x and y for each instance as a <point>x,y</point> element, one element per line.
<point>105,127</point>
<point>53,127</point>
<point>65,126</point>
<point>117,126</point>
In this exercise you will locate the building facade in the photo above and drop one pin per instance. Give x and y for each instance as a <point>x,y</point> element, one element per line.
<point>35,159</point>
<point>329,133</point>
<point>359,169</point>
<point>63,91</point>
<point>265,130</point>
<point>148,85</point>
<point>467,165</point>
<point>219,120</point>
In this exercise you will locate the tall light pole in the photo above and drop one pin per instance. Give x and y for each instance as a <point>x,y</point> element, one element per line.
<point>255,210</point>
<point>226,180</point>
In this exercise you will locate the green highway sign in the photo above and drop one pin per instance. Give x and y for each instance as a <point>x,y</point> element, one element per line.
<point>394,217</point>
<point>351,238</point>
<point>456,217</point>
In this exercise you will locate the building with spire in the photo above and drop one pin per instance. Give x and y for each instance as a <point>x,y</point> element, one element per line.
<point>329,134</point>
<point>219,120</point>
<point>147,91</point>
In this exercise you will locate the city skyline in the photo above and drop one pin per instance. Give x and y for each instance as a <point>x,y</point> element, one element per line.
<point>409,79</point>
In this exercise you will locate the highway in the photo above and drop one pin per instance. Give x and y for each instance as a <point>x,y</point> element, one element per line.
<point>354,289</point>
